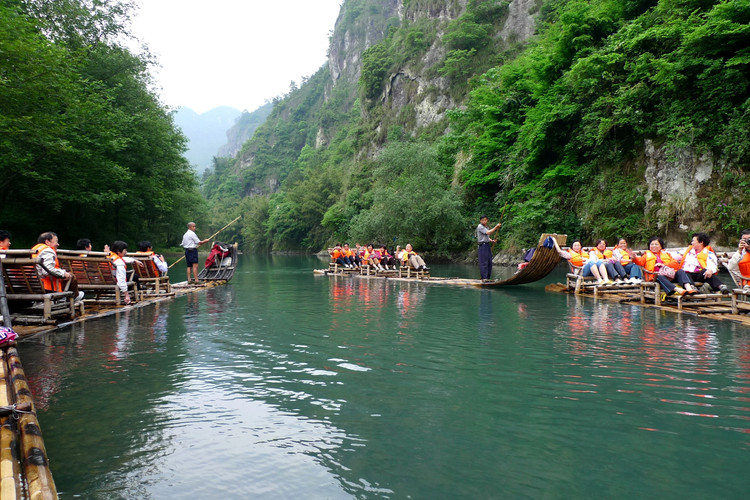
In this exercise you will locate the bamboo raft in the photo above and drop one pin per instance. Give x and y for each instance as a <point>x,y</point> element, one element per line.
<point>541,264</point>
<point>712,306</point>
<point>93,312</point>
<point>24,468</point>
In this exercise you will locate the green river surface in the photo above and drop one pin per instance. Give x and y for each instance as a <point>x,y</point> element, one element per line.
<point>288,385</point>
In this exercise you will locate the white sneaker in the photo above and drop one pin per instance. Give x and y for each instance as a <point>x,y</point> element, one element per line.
<point>636,280</point>
<point>618,281</point>
<point>601,282</point>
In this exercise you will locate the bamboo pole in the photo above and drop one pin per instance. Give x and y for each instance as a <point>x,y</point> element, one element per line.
<point>41,486</point>
<point>210,237</point>
<point>10,469</point>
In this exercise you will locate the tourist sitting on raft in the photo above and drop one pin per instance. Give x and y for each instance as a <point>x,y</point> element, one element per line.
<point>666,269</point>
<point>739,264</point>
<point>699,263</point>
<point>410,257</point>
<point>386,259</point>
<point>159,264</point>
<point>578,258</point>
<point>339,257</point>
<point>624,256</point>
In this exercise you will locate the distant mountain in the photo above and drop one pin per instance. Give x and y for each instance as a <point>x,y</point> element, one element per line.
<point>206,132</point>
<point>243,129</point>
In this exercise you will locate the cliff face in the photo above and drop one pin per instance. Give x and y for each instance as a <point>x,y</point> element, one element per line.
<point>416,83</point>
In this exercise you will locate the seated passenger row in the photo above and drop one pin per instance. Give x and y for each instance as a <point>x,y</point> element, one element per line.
<point>378,257</point>
<point>676,272</point>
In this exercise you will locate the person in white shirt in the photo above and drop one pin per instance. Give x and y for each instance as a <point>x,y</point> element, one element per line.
<point>741,258</point>
<point>119,262</point>
<point>191,242</point>
<point>700,263</point>
<point>157,259</point>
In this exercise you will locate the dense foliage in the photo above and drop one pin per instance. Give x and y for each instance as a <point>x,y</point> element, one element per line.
<point>86,149</point>
<point>550,135</point>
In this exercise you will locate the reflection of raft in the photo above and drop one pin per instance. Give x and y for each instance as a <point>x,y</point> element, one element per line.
<point>541,264</point>
<point>220,263</point>
<point>23,459</point>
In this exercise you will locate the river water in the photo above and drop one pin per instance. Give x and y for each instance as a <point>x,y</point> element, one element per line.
<point>289,385</point>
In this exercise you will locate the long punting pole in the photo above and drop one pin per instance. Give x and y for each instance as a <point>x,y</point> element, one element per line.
<point>210,237</point>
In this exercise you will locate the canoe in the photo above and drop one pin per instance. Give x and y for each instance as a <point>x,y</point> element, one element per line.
<point>220,264</point>
<point>541,264</point>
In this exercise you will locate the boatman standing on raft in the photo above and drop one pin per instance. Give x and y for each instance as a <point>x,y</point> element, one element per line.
<point>191,242</point>
<point>485,250</point>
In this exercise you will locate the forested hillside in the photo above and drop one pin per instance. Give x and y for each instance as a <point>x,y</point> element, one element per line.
<point>616,117</point>
<point>86,149</point>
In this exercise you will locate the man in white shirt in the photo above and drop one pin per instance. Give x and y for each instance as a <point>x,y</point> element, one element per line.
<point>191,242</point>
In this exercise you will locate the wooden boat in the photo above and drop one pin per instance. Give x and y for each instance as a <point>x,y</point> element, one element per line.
<point>24,466</point>
<point>220,264</point>
<point>541,264</point>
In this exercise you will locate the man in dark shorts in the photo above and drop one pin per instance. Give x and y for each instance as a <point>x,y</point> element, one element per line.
<point>191,242</point>
<point>485,251</point>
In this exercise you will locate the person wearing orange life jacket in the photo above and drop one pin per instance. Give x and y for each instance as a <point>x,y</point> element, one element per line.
<point>657,257</point>
<point>700,263</point>
<point>615,270</point>
<point>409,256</point>
<point>337,256</point>
<point>119,265</point>
<point>625,257</point>
<point>739,264</point>
<point>158,264</point>
<point>49,267</point>
<point>578,258</point>
<point>598,260</point>
<point>350,257</point>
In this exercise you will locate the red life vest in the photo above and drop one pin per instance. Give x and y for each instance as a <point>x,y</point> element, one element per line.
<point>51,283</point>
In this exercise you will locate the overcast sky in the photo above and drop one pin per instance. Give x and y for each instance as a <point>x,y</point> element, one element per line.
<point>238,53</point>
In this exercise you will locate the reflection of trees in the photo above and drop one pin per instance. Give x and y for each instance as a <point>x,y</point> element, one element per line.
<point>99,404</point>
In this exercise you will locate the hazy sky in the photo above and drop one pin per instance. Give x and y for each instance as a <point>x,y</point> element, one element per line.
<point>238,53</point>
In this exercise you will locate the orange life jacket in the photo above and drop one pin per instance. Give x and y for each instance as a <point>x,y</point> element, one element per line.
<point>336,254</point>
<point>153,264</point>
<point>601,256</point>
<point>576,258</point>
<point>744,265</point>
<point>625,259</point>
<point>702,256</point>
<point>648,262</point>
<point>51,283</point>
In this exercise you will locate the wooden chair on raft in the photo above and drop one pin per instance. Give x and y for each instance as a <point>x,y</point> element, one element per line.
<point>575,280</point>
<point>151,282</point>
<point>701,302</point>
<point>95,276</point>
<point>28,300</point>
<point>406,270</point>
<point>741,294</point>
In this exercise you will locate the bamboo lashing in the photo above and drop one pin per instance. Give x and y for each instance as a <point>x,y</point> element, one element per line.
<point>209,238</point>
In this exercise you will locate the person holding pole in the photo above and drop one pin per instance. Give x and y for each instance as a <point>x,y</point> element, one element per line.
<point>485,251</point>
<point>191,242</point>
